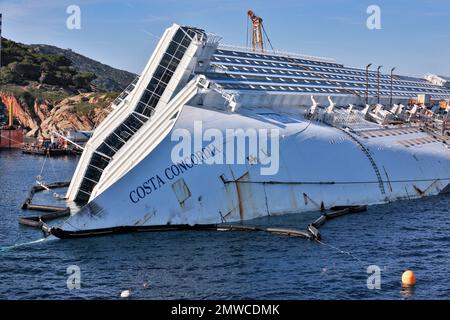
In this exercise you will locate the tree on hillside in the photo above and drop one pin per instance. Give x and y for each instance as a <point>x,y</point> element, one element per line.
<point>83,80</point>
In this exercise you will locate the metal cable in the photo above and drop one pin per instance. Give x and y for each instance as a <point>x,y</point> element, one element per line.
<point>268,40</point>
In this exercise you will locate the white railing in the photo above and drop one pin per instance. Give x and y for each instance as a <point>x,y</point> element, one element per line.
<point>213,38</point>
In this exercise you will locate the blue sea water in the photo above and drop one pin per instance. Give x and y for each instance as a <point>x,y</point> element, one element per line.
<point>224,265</point>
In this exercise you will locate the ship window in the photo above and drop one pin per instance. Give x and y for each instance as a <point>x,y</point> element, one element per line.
<point>178,36</point>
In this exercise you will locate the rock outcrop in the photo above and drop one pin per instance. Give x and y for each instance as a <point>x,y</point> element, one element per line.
<point>81,112</point>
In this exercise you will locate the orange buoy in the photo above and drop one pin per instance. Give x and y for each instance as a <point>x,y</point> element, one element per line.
<point>408,278</point>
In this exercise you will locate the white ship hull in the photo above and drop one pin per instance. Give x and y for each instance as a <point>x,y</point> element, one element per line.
<point>128,179</point>
<point>320,166</point>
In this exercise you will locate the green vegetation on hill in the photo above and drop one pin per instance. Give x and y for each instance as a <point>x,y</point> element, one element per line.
<point>102,101</point>
<point>52,87</point>
<point>108,78</point>
<point>21,65</point>
<point>37,92</point>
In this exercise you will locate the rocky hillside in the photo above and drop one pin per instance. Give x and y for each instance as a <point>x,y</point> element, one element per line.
<point>41,116</point>
<point>50,89</point>
<point>62,67</point>
<point>107,78</point>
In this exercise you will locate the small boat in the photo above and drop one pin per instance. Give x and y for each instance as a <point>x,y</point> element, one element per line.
<point>51,148</point>
<point>11,138</point>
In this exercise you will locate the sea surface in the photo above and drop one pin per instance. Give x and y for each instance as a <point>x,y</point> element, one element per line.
<point>223,265</point>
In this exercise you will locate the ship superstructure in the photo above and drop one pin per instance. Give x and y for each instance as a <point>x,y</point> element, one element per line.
<point>347,136</point>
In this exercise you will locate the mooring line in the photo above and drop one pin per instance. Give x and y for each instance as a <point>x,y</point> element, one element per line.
<point>342,251</point>
<point>18,245</point>
<point>7,138</point>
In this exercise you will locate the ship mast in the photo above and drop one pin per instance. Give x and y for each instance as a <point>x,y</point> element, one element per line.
<point>257,35</point>
<point>258,32</point>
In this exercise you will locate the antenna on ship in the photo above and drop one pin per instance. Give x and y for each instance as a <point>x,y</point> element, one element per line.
<point>258,32</point>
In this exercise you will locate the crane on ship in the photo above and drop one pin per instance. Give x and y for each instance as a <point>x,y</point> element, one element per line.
<point>258,32</point>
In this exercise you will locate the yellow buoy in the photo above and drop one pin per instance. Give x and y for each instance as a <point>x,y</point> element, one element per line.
<point>408,278</point>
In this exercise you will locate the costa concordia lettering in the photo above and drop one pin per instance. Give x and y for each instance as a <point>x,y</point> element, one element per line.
<point>170,173</point>
<point>348,136</point>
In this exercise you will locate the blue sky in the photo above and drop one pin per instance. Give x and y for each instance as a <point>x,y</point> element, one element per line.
<point>415,35</point>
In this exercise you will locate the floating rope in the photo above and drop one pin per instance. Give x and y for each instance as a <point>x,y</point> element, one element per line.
<point>19,245</point>
<point>342,251</point>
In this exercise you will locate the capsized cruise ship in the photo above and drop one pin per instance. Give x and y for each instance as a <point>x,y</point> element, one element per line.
<point>335,136</point>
